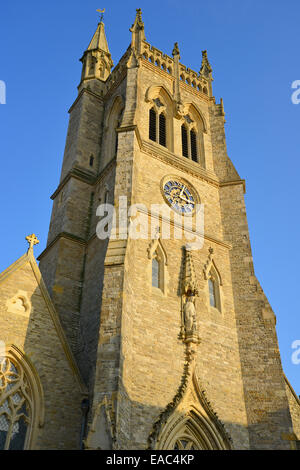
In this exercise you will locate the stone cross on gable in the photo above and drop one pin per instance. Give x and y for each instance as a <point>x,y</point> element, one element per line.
<point>32,240</point>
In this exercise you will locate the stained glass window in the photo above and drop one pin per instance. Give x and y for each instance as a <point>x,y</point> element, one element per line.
<point>15,405</point>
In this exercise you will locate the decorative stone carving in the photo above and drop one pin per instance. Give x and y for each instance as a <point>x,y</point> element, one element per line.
<point>154,243</point>
<point>188,331</point>
<point>206,70</point>
<point>32,240</point>
<point>138,32</point>
<point>209,264</point>
<point>190,316</point>
<point>19,304</point>
<point>177,414</point>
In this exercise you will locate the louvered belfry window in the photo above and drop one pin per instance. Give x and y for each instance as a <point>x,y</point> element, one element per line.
<point>194,146</point>
<point>162,130</point>
<point>152,124</point>
<point>184,140</point>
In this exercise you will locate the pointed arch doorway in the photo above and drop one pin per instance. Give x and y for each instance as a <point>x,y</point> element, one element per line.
<point>190,423</point>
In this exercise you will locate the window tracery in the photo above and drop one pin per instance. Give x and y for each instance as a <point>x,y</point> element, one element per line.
<point>192,130</point>
<point>158,123</point>
<point>16,405</point>
<point>185,443</point>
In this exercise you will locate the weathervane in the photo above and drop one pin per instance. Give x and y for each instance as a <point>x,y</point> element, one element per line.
<point>102,12</point>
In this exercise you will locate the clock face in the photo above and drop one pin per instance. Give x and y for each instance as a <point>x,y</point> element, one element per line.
<point>179,196</point>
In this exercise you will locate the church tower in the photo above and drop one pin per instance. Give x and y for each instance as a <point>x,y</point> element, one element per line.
<point>171,331</point>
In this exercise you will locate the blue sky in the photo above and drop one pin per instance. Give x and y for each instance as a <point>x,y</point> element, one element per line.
<point>253,49</point>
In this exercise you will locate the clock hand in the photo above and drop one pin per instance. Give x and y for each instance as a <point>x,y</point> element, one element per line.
<point>186,200</point>
<point>182,191</point>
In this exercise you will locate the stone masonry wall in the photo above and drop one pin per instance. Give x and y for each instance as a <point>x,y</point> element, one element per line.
<point>34,334</point>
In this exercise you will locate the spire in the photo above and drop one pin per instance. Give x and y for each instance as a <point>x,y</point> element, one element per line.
<point>206,69</point>
<point>96,60</point>
<point>99,39</point>
<point>138,32</point>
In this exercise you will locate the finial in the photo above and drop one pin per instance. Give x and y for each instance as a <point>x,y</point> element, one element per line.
<point>138,20</point>
<point>32,240</point>
<point>176,49</point>
<point>102,13</point>
<point>138,32</point>
<point>206,69</point>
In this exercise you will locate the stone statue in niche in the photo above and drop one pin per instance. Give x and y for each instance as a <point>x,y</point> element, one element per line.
<point>190,316</point>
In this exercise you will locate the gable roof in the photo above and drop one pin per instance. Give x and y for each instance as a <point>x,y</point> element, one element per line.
<point>28,258</point>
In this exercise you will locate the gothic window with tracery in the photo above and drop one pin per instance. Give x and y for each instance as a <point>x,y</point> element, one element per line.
<point>189,139</point>
<point>192,142</point>
<point>158,123</point>
<point>16,405</point>
<point>185,444</point>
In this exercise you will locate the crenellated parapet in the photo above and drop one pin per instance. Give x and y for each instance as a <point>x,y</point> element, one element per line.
<point>197,81</point>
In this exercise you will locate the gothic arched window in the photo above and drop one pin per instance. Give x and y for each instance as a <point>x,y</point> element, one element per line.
<point>15,405</point>
<point>158,123</point>
<point>189,141</point>
<point>186,443</point>
<point>212,293</point>
<point>21,401</point>
<point>214,290</point>
<point>156,275</point>
<point>157,266</point>
<point>192,130</point>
